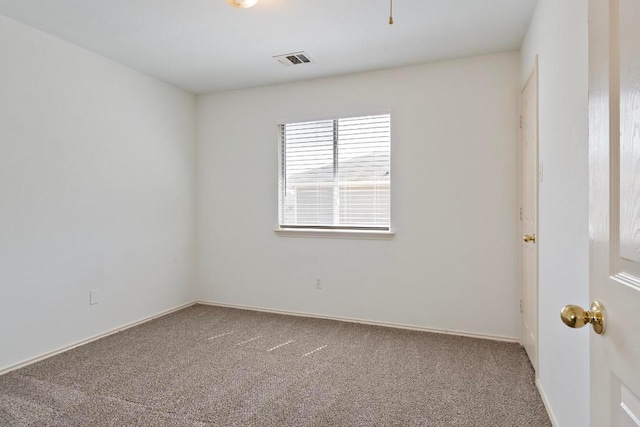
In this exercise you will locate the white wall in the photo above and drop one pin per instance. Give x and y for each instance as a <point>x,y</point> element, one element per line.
<point>558,33</point>
<point>454,261</point>
<point>97,191</point>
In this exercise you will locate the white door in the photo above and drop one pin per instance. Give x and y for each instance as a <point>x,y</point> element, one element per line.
<point>529,215</point>
<point>614,193</point>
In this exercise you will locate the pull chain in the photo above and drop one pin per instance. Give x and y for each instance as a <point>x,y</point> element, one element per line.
<point>390,12</point>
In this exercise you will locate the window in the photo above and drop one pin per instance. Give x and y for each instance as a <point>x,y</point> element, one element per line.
<point>335,174</point>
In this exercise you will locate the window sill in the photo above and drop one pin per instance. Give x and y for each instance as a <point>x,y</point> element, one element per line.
<point>335,234</point>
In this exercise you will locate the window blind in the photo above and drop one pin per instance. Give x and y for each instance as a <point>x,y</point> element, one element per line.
<point>336,173</point>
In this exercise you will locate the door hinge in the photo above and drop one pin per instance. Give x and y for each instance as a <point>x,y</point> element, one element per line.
<point>521,306</point>
<point>540,172</point>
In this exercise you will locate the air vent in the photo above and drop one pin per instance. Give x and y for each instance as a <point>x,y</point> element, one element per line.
<point>297,58</point>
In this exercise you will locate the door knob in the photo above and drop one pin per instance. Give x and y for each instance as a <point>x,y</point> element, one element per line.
<point>529,238</point>
<point>575,317</point>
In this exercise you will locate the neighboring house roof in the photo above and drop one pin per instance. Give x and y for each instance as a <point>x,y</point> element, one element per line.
<point>361,168</point>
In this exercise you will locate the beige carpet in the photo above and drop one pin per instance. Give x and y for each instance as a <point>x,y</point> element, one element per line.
<point>225,367</point>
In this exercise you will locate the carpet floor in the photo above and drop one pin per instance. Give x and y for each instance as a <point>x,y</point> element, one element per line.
<point>213,366</point>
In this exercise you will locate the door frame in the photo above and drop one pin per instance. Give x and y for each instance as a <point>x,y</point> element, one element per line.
<point>533,73</point>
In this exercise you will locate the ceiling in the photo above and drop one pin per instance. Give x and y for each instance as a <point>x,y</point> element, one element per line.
<point>205,46</point>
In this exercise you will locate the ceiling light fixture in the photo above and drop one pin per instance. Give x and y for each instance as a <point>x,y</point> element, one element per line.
<point>390,12</point>
<point>242,4</point>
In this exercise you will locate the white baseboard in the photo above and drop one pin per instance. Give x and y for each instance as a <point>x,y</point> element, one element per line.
<point>90,339</point>
<point>552,417</point>
<point>363,321</point>
<point>267,310</point>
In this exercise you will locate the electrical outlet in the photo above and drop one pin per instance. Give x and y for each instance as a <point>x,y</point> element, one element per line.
<point>318,283</point>
<point>93,297</point>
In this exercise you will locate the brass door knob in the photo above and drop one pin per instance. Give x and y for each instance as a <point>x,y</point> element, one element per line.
<point>529,238</point>
<point>575,317</point>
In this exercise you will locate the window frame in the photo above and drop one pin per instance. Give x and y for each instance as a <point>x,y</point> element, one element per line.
<point>332,231</point>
